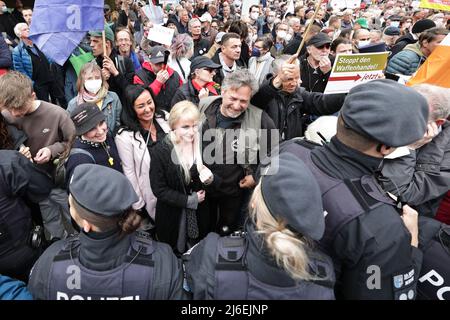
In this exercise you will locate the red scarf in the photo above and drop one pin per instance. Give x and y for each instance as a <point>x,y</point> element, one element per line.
<point>209,86</point>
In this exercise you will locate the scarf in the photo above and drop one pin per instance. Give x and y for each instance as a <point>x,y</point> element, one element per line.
<point>258,65</point>
<point>84,96</point>
<point>209,86</point>
<point>226,69</point>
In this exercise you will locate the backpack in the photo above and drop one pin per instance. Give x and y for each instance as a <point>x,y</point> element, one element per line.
<point>60,170</point>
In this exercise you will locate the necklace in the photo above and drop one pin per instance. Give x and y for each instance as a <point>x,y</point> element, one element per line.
<point>110,159</point>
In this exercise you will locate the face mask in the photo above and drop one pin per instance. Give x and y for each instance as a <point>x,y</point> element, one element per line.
<point>93,86</point>
<point>256,52</point>
<point>395,24</point>
<point>270,20</point>
<point>288,37</point>
<point>165,20</point>
<point>5,9</point>
<point>363,43</point>
<point>282,34</point>
<point>254,15</point>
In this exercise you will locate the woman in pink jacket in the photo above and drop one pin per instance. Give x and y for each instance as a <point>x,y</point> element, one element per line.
<point>143,126</point>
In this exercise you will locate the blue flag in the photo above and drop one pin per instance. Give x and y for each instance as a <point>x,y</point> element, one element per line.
<point>58,27</point>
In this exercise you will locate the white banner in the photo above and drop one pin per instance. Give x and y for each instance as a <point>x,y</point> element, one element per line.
<point>161,34</point>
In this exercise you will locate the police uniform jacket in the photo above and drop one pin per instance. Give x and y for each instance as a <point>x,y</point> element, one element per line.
<point>287,110</point>
<point>106,251</point>
<point>375,240</point>
<point>200,264</point>
<point>21,185</point>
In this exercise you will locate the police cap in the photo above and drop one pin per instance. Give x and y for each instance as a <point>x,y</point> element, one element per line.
<point>101,190</point>
<point>293,195</point>
<point>387,112</point>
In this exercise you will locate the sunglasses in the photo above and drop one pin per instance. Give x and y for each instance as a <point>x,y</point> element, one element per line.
<point>326,45</point>
<point>209,69</point>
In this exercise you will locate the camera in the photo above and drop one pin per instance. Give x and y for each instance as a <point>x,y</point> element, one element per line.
<point>36,237</point>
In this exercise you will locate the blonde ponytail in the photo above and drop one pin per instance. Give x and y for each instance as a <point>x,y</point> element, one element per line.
<point>288,250</point>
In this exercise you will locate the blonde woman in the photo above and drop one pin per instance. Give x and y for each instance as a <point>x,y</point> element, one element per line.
<point>181,215</point>
<point>93,88</point>
<point>275,258</point>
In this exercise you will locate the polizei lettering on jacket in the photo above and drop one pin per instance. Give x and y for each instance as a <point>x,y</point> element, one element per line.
<point>65,296</point>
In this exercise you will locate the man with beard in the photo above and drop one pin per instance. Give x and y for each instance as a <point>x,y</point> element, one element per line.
<point>232,146</point>
<point>316,65</point>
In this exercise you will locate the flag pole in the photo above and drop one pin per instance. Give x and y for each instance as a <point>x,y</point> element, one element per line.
<point>104,43</point>
<point>311,22</point>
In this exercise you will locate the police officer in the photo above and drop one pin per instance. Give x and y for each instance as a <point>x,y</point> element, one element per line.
<point>273,259</point>
<point>375,256</point>
<point>103,262</point>
<point>22,186</point>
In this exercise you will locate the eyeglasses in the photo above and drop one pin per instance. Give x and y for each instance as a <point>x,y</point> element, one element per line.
<point>326,46</point>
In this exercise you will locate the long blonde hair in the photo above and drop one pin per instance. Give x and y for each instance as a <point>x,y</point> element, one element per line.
<point>287,248</point>
<point>190,111</point>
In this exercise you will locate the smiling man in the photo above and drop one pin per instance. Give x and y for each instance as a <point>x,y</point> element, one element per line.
<point>230,129</point>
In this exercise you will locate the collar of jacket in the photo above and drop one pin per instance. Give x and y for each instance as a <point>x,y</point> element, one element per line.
<point>103,251</point>
<point>358,161</point>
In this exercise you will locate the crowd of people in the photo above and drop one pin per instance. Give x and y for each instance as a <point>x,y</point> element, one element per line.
<point>216,167</point>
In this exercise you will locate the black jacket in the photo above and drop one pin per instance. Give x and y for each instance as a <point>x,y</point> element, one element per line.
<point>288,110</point>
<point>218,78</point>
<point>172,193</point>
<point>20,183</point>
<point>374,238</point>
<point>99,154</point>
<point>227,175</point>
<point>123,79</point>
<point>5,54</point>
<point>187,92</point>
<point>201,46</point>
<point>163,98</point>
<point>292,46</point>
<point>313,80</point>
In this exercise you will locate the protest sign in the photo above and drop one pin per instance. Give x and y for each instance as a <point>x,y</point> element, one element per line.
<point>161,35</point>
<point>349,70</point>
<point>435,4</point>
<point>154,13</point>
